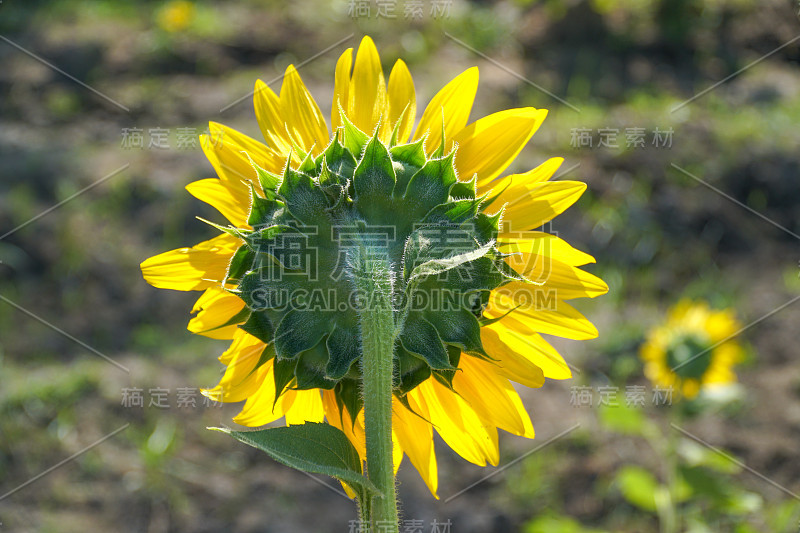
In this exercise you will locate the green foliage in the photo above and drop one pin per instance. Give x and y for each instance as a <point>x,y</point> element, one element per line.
<point>310,447</point>
<point>627,420</point>
<point>638,486</point>
<point>557,524</point>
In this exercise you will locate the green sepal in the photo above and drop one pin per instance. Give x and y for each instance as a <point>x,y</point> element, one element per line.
<point>259,326</point>
<point>266,354</point>
<point>269,181</point>
<point>344,349</point>
<point>354,139</point>
<point>305,201</point>
<point>241,262</point>
<point>420,337</point>
<point>487,227</point>
<point>310,370</point>
<point>308,165</point>
<point>261,209</point>
<point>396,128</point>
<point>339,161</point>
<point>259,296</point>
<point>282,373</point>
<point>454,212</point>
<point>348,396</point>
<point>299,331</point>
<point>439,152</point>
<point>458,327</point>
<point>430,186</point>
<point>410,370</point>
<point>445,377</point>
<point>316,448</point>
<point>465,189</point>
<point>230,230</point>
<point>508,272</point>
<point>492,195</point>
<point>433,267</point>
<point>374,176</point>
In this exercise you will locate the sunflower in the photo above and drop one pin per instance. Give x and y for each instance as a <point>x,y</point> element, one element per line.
<point>470,308</point>
<point>175,16</point>
<point>694,349</point>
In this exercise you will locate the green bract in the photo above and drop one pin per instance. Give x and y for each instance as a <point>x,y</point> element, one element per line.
<point>315,228</point>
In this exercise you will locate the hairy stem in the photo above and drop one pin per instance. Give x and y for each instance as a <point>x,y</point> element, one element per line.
<point>373,281</point>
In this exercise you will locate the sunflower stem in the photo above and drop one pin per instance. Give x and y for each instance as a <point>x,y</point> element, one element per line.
<point>373,282</point>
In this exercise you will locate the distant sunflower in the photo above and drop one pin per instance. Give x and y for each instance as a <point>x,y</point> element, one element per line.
<point>307,191</point>
<point>175,16</point>
<point>693,349</point>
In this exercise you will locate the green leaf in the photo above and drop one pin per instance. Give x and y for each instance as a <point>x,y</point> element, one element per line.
<point>696,455</point>
<point>312,447</point>
<point>623,419</point>
<point>556,524</point>
<point>638,486</point>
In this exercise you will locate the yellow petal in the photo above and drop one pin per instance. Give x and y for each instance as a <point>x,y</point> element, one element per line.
<point>489,394</point>
<point>488,145</point>
<point>397,453</point>
<point>367,98</point>
<point>543,202</point>
<point>540,311</point>
<point>307,407</point>
<point>191,269</point>
<point>452,104</point>
<point>215,307</point>
<point>402,104</point>
<point>457,423</point>
<point>415,437</point>
<point>549,274</point>
<point>515,186</point>
<point>521,354</point>
<point>259,410</point>
<point>230,202</point>
<point>230,152</point>
<point>240,381</point>
<point>270,119</point>
<point>512,366</point>
<point>341,88</point>
<point>230,140</point>
<point>302,114</point>
<point>543,244</point>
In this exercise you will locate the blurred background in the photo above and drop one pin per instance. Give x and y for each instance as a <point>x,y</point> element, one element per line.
<point>693,192</point>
